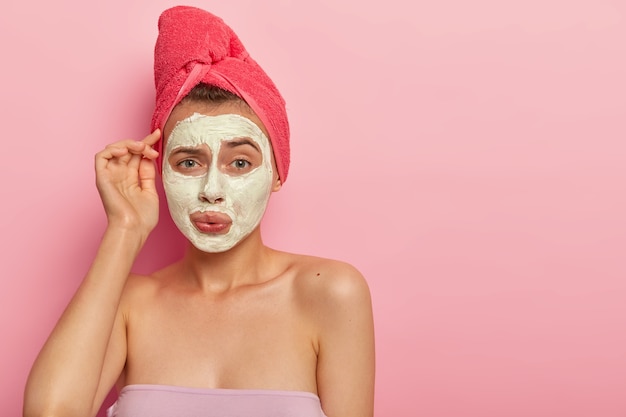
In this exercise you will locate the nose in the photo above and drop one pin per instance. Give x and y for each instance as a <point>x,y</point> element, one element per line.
<point>213,188</point>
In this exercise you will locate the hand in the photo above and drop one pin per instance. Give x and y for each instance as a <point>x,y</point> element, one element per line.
<point>125,177</point>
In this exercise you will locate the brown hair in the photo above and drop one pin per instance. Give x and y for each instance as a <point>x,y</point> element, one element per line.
<point>208,93</point>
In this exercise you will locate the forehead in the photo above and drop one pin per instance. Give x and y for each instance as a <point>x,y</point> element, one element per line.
<point>200,129</point>
<point>187,108</point>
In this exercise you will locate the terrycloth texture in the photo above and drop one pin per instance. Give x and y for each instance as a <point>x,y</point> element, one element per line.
<point>171,401</point>
<point>196,46</point>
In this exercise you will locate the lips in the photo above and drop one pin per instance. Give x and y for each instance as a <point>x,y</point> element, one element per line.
<point>211,222</point>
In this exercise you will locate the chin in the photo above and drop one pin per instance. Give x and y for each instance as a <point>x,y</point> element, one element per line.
<point>215,245</point>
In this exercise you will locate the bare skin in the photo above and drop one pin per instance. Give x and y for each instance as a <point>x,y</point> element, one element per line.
<point>248,318</point>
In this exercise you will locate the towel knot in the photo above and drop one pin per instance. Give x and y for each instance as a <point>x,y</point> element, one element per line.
<point>196,63</point>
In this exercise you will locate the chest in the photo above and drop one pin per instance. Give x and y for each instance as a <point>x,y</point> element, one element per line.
<point>259,338</point>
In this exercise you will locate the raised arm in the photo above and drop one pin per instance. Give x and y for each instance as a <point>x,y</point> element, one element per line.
<point>69,375</point>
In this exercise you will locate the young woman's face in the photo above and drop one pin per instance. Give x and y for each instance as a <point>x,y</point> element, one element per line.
<point>217,174</point>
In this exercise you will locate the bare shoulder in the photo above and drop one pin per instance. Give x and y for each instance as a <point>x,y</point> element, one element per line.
<point>138,284</point>
<point>140,288</point>
<point>329,283</point>
<point>339,307</point>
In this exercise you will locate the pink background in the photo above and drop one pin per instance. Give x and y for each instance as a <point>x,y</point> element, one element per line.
<point>467,156</point>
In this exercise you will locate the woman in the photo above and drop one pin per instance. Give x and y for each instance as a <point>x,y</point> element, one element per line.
<point>233,328</point>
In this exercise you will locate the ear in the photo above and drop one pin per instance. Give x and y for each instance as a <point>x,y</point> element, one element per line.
<point>277,184</point>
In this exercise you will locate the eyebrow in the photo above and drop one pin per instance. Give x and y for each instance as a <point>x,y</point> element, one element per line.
<point>240,142</point>
<point>188,150</point>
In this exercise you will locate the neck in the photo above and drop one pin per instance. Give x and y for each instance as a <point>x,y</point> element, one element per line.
<point>245,264</point>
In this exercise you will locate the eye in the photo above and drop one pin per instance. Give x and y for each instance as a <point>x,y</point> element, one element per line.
<point>240,163</point>
<point>187,163</point>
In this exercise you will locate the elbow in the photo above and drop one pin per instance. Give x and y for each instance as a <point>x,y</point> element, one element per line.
<point>48,413</point>
<point>42,401</point>
<point>31,410</point>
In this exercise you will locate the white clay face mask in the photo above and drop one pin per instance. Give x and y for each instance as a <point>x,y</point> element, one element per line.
<point>217,177</point>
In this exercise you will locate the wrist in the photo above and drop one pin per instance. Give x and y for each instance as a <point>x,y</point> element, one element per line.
<point>124,236</point>
<point>129,225</point>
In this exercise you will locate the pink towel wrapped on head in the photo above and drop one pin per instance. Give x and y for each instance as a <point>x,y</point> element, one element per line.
<point>195,46</point>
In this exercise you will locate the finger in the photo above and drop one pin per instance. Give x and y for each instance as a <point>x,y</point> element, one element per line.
<point>109,153</point>
<point>132,146</point>
<point>147,175</point>
<point>136,149</point>
<point>152,138</point>
<point>142,148</point>
<point>133,163</point>
<point>112,151</point>
<point>149,152</point>
<point>124,149</point>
